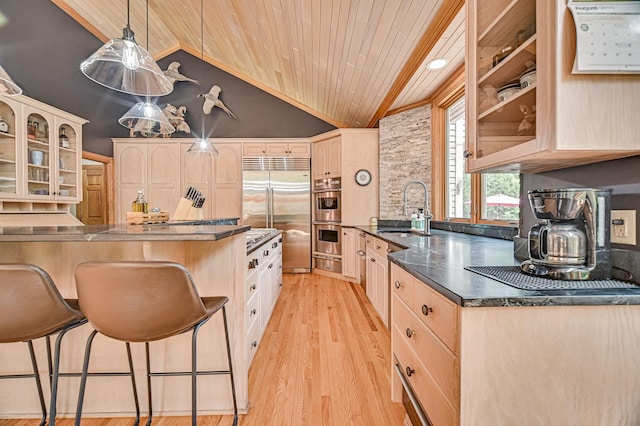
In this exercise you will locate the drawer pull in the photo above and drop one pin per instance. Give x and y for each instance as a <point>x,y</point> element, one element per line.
<point>254,344</point>
<point>265,253</point>
<point>398,284</point>
<point>410,332</point>
<point>253,311</point>
<point>426,310</point>
<point>410,371</point>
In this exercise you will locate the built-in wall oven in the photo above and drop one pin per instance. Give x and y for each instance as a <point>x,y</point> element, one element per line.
<point>328,232</point>
<point>327,200</point>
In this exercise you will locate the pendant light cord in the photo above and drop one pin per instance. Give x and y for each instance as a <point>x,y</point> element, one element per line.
<point>128,15</point>
<point>202,50</point>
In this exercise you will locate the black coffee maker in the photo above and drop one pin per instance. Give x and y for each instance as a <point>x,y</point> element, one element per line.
<point>572,240</point>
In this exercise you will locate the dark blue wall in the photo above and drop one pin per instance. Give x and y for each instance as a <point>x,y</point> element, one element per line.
<point>41,48</point>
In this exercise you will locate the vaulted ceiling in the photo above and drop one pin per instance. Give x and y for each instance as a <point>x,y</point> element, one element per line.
<point>348,62</point>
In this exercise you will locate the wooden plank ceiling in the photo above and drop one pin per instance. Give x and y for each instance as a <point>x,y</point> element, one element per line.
<point>347,62</point>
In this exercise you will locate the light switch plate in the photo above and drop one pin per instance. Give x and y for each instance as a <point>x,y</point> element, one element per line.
<point>625,232</point>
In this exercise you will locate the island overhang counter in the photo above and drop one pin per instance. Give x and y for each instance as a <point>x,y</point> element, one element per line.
<point>215,257</point>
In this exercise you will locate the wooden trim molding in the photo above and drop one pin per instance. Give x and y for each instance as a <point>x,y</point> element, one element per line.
<point>110,176</point>
<point>450,91</point>
<point>439,25</point>
<point>80,20</point>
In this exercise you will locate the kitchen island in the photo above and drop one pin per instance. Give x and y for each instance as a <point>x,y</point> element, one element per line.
<point>215,257</point>
<point>474,350</point>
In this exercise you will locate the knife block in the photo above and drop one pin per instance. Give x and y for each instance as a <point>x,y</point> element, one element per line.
<point>186,211</point>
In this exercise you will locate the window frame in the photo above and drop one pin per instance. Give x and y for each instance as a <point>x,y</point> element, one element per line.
<point>446,95</point>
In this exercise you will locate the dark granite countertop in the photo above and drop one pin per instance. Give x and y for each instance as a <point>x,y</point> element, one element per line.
<point>439,261</point>
<point>197,231</point>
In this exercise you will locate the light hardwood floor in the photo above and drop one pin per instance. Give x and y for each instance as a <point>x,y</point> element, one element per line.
<point>324,360</point>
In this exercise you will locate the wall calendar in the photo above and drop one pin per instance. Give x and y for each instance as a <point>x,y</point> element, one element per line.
<point>607,36</point>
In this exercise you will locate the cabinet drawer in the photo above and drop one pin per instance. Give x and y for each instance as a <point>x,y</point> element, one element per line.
<point>251,286</point>
<point>438,313</point>
<point>253,339</point>
<point>440,362</point>
<point>402,284</point>
<point>380,247</point>
<point>438,408</point>
<point>253,310</point>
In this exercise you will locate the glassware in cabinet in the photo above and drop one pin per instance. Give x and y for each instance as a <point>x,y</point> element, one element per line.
<point>8,149</point>
<point>68,159</point>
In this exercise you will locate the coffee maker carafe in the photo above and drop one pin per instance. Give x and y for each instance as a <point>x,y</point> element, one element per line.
<point>572,240</point>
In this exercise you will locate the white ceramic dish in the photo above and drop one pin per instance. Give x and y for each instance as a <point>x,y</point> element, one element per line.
<point>528,78</point>
<point>508,91</point>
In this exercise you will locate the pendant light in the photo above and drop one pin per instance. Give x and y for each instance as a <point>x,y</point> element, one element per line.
<point>123,65</point>
<point>147,117</point>
<point>7,86</point>
<point>202,145</point>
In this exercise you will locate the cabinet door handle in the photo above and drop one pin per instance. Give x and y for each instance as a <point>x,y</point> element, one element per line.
<point>398,284</point>
<point>265,253</point>
<point>410,332</point>
<point>467,153</point>
<point>410,371</point>
<point>426,309</point>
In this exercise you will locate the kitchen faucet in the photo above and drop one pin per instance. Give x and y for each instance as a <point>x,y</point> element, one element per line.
<point>427,212</point>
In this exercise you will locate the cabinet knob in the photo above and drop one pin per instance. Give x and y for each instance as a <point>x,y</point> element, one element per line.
<point>410,332</point>
<point>467,153</point>
<point>270,265</point>
<point>253,311</point>
<point>372,259</point>
<point>426,310</point>
<point>377,247</point>
<point>253,287</point>
<point>398,284</point>
<point>254,344</point>
<point>410,371</point>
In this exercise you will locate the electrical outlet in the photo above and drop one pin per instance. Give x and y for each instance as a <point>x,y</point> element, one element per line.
<point>623,227</point>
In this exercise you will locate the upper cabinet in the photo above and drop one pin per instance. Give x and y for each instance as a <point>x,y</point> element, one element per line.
<point>526,111</point>
<point>277,148</point>
<point>40,154</point>
<point>327,158</point>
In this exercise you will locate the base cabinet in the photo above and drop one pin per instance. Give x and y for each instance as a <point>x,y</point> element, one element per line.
<point>513,365</point>
<point>350,259</point>
<point>263,287</point>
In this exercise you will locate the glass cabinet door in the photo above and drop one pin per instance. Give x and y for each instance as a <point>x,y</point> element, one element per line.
<point>67,184</point>
<point>8,150</point>
<point>39,154</point>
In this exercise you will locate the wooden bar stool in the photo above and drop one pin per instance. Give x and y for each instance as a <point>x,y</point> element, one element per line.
<point>145,302</point>
<point>31,307</point>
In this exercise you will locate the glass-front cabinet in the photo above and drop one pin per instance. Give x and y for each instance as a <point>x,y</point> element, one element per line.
<point>40,154</point>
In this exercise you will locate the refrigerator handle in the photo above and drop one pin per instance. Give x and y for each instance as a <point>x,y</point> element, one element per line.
<point>272,207</point>
<point>268,206</point>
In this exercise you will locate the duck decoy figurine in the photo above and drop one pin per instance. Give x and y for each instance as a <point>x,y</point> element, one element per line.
<point>174,75</point>
<point>211,100</point>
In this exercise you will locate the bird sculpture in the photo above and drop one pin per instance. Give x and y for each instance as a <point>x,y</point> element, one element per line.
<point>174,75</point>
<point>211,99</point>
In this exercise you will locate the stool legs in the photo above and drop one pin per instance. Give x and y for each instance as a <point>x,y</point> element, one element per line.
<point>36,375</point>
<point>85,373</point>
<point>233,385</point>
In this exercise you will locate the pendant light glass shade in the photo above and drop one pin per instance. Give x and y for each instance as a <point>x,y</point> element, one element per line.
<point>123,65</point>
<point>7,86</point>
<point>148,119</point>
<point>203,146</point>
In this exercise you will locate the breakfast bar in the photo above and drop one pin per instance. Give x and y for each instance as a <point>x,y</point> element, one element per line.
<point>213,254</point>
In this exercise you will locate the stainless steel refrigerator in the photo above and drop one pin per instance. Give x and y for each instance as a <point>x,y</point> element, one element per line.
<point>276,193</point>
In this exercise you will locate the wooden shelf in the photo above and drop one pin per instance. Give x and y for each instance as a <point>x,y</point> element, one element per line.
<point>7,135</point>
<point>512,66</point>
<point>518,14</point>
<point>509,110</point>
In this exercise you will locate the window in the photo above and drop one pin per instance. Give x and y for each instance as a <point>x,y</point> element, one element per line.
<point>473,198</point>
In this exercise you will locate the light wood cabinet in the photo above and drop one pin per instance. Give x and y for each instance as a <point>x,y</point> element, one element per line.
<point>326,158</point>
<point>263,286</point>
<point>342,153</point>
<point>277,148</point>
<point>164,171</point>
<point>571,119</point>
<point>350,258</point>
<point>36,167</point>
<point>378,276</point>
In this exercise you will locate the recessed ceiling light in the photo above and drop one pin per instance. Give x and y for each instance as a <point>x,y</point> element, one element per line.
<point>437,64</point>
